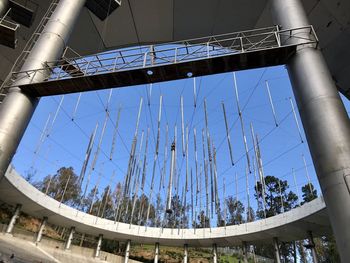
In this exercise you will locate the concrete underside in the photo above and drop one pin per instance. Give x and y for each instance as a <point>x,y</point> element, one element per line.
<point>292,225</point>
<point>157,21</point>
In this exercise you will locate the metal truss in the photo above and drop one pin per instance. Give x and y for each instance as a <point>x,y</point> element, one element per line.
<point>182,54</point>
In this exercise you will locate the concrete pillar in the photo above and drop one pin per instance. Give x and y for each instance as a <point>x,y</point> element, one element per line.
<point>98,247</point>
<point>312,247</point>
<point>277,250</point>
<point>325,121</point>
<point>13,219</point>
<point>41,229</point>
<point>82,239</point>
<point>156,253</point>
<point>70,238</point>
<point>185,253</point>
<point>127,251</point>
<point>215,253</point>
<point>17,108</point>
<point>245,251</point>
<point>4,7</point>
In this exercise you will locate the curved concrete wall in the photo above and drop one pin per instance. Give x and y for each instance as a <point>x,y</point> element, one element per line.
<point>292,225</point>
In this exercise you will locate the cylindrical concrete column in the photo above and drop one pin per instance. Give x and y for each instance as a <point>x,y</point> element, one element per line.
<point>4,7</point>
<point>276,250</point>
<point>17,108</point>
<point>70,238</point>
<point>215,253</point>
<point>245,251</point>
<point>127,251</point>
<point>41,229</point>
<point>156,252</point>
<point>312,247</point>
<point>82,239</point>
<point>324,118</point>
<point>13,219</point>
<point>98,247</point>
<point>185,253</point>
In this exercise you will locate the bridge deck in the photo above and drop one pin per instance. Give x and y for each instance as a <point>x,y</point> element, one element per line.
<point>165,62</point>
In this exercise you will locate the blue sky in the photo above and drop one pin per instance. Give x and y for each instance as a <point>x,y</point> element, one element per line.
<point>67,141</point>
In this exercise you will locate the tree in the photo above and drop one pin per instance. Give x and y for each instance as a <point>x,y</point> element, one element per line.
<point>277,198</point>
<point>309,193</point>
<point>64,185</point>
<point>203,220</point>
<point>326,250</point>
<point>235,211</point>
<point>177,218</point>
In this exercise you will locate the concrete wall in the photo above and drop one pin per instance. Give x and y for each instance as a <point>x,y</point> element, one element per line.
<point>56,248</point>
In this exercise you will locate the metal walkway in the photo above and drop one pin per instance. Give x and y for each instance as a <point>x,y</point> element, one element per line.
<point>165,62</point>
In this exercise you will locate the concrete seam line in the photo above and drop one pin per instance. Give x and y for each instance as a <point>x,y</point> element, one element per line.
<point>44,252</point>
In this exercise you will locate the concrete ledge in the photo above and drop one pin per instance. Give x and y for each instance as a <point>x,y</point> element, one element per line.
<point>292,225</point>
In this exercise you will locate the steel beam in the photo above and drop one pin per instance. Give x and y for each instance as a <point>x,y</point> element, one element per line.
<point>325,121</point>
<point>277,250</point>
<point>98,247</point>
<point>13,219</point>
<point>70,238</point>
<point>41,229</point>
<point>17,108</point>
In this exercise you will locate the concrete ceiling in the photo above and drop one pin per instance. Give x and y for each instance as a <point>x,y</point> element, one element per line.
<point>153,21</point>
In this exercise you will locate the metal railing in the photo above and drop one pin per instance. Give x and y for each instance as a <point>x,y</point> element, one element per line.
<point>171,53</point>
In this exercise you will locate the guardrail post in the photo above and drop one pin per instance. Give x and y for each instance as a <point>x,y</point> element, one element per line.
<point>277,250</point>
<point>41,229</point>
<point>127,251</point>
<point>70,238</point>
<point>215,253</point>
<point>185,254</point>
<point>156,253</point>
<point>311,245</point>
<point>13,219</point>
<point>245,251</point>
<point>98,247</point>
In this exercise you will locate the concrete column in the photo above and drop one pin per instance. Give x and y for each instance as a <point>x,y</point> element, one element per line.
<point>325,121</point>
<point>215,253</point>
<point>156,253</point>
<point>277,250</point>
<point>4,7</point>
<point>17,108</point>
<point>312,247</point>
<point>41,229</point>
<point>82,239</point>
<point>13,219</point>
<point>127,251</point>
<point>185,253</point>
<point>70,238</point>
<point>245,251</point>
<point>98,247</point>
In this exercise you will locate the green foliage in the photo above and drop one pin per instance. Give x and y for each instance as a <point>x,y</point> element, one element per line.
<point>64,185</point>
<point>235,211</point>
<point>277,198</point>
<point>202,220</point>
<point>309,193</point>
